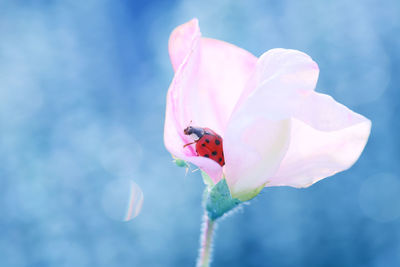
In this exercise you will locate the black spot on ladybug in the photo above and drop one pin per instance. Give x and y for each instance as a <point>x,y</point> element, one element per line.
<point>206,155</point>
<point>217,142</point>
<point>214,153</point>
<point>203,144</point>
<point>220,159</point>
<point>207,141</point>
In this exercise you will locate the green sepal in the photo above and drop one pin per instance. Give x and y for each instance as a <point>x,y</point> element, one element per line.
<point>247,195</point>
<point>219,200</point>
<point>181,163</point>
<point>207,179</point>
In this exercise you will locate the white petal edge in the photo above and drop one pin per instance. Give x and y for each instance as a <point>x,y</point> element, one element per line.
<point>326,138</point>
<point>258,132</point>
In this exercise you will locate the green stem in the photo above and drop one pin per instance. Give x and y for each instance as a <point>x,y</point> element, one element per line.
<point>206,241</point>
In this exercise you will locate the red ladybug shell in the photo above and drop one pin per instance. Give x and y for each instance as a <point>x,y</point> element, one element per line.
<point>210,146</point>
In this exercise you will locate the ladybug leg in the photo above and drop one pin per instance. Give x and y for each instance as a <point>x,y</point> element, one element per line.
<point>189,144</point>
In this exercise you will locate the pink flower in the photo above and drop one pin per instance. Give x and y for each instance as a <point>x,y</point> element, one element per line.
<point>276,129</point>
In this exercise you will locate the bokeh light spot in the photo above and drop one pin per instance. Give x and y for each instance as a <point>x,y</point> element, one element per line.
<point>122,200</point>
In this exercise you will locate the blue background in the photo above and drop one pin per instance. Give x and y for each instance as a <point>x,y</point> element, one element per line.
<point>82,102</point>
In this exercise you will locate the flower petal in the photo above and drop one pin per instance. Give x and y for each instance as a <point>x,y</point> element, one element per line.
<point>326,138</point>
<point>254,148</point>
<point>181,42</point>
<point>209,78</point>
<point>290,70</point>
<point>223,70</point>
<point>184,39</point>
<point>258,133</point>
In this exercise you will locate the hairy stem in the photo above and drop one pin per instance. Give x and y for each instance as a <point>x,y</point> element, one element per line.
<point>206,239</point>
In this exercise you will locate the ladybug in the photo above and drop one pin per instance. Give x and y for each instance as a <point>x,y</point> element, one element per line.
<point>208,143</point>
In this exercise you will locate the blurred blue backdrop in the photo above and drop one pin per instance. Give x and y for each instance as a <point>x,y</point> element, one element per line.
<point>82,102</point>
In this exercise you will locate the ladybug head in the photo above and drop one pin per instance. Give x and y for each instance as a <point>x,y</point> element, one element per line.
<point>195,132</point>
